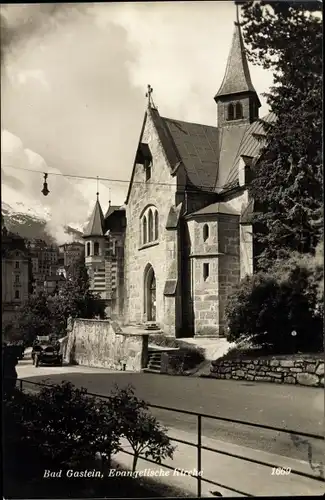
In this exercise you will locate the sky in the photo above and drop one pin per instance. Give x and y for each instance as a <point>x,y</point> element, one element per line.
<point>73,84</point>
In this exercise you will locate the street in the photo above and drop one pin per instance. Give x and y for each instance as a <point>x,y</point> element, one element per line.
<point>284,406</point>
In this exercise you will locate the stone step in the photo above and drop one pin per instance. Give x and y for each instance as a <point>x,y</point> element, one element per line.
<point>154,362</point>
<point>151,370</point>
<point>155,356</point>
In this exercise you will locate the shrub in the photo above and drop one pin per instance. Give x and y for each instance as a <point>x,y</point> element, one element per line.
<point>269,306</point>
<point>62,427</point>
<point>186,358</point>
<point>141,429</point>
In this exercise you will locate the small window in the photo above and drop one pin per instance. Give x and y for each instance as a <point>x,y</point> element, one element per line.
<point>96,248</point>
<point>147,169</point>
<point>156,225</point>
<point>205,271</point>
<point>239,111</point>
<point>150,226</point>
<point>17,264</point>
<point>205,232</point>
<point>17,278</point>
<point>230,112</point>
<point>17,296</point>
<point>144,230</point>
<point>88,249</point>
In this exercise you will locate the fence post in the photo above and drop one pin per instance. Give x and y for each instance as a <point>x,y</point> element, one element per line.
<point>199,457</point>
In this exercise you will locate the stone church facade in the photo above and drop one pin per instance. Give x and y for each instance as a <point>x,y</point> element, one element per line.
<point>185,232</point>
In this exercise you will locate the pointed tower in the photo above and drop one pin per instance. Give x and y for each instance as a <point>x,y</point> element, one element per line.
<point>95,250</point>
<point>236,99</point>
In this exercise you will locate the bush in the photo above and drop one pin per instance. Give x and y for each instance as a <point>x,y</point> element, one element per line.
<point>62,427</point>
<point>186,358</point>
<point>142,430</point>
<point>269,306</point>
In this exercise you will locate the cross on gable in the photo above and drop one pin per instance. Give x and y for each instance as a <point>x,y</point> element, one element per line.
<point>148,94</point>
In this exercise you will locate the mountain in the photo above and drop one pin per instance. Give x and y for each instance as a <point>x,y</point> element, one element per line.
<point>30,224</point>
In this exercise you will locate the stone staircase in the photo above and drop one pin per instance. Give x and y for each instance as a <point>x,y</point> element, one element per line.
<point>154,361</point>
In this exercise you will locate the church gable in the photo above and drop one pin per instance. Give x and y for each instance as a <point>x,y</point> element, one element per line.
<point>154,164</point>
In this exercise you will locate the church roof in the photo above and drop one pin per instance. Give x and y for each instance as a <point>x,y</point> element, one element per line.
<point>95,225</point>
<point>249,140</point>
<point>198,150</point>
<point>216,208</point>
<point>111,209</point>
<point>237,76</point>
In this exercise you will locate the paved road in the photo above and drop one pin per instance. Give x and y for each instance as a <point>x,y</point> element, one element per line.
<point>284,406</point>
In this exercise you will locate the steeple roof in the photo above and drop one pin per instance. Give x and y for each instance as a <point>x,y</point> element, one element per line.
<point>237,77</point>
<point>95,225</point>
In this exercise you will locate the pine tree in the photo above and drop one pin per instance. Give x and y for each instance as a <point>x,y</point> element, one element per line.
<point>286,37</point>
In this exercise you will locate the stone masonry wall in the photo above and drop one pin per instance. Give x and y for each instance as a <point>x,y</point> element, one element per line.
<point>302,370</point>
<point>229,262</point>
<point>100,343</point>
<point>158,191</point>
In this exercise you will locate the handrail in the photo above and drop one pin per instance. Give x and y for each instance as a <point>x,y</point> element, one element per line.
<point>199,446</point>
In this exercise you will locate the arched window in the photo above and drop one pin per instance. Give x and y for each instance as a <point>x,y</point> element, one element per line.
<point>88,249</point>
<point>156,225</point>
<point>239,111</point>
<point>205,232</point>
<point>230,111</point>
<point>17,294</point>
<point>150,226</point>
<point>96,248</point>
<point>144,230</point>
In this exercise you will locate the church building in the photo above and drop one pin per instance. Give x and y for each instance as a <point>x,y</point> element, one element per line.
<point>184,235</point>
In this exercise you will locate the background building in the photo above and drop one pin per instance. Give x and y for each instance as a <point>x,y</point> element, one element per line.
<point>104,256</point>
<point>16,274</point>
<point>71,253</point>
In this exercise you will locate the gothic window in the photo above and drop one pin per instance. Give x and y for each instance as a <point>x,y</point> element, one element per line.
<point>144,230</point>
<point>88,249</point>
<point>17,294</point>
<point>239,111</point>
<point>205,271</point>
<point>230,112</point>
<point>96,248</point>
<point>205,232</point>
<point>156,225</point>
<point>150,226</point>
<point>149,223</point>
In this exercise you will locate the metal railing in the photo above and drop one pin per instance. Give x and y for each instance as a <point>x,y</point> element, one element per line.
<point>199,446</point>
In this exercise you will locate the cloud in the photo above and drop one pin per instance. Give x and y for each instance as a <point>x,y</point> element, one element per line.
<point>33,74</point>
<point>95,61</point>
<point>70,201</point>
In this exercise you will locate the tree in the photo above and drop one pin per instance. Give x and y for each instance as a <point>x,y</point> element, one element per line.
<point>34,318</point>
<point>267,307</point>
<point>142,430</point>
<point>286,37</point>
<point>75,299</point>
<point>47,315</point>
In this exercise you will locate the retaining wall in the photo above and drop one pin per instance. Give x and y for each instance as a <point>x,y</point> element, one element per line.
<point>102,344</point>
<point>303,370</point>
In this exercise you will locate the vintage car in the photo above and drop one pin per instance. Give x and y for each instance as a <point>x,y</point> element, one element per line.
<point>44,351</point>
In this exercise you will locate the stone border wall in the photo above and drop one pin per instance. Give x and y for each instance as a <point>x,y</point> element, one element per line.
<point>102,344</point>
<point>304,370</point>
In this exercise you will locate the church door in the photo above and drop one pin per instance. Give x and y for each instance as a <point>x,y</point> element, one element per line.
<point>150,305</point>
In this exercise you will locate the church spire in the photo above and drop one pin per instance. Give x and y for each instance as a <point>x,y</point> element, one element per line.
<point>236,97</point>
<point>237,77</point>
<point>95,225</point>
